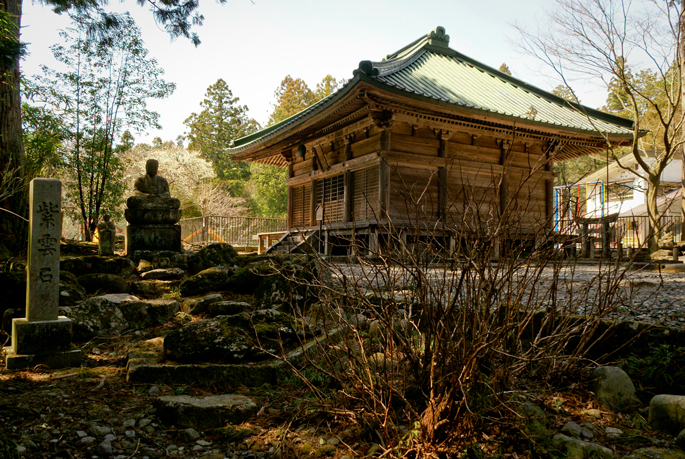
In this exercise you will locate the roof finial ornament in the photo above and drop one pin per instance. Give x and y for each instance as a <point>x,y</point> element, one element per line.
<point>438,37</point>
<point>367,68</point>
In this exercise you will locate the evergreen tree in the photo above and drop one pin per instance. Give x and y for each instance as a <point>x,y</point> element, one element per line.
<point>269,191</point>
<point>221,120</point>
<point>292,96</point>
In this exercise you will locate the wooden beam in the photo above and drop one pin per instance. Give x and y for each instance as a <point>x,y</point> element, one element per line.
<point>320,157</point>
<point>352,165</point>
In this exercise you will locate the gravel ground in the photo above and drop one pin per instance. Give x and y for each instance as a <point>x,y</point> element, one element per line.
<point>646,294</point>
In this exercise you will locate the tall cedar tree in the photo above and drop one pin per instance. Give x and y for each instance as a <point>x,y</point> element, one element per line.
<point>12,191</point>
<point>103,91</point>
<point>177,17</point>
<point>269,191</point>
<point>221,120</point>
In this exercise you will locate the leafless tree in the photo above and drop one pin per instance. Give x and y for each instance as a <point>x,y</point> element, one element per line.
<point>634,48</point>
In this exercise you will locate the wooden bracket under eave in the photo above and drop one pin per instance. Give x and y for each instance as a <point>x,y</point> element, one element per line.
<point>382,118</point>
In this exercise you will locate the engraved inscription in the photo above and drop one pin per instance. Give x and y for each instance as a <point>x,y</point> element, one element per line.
<point>45,275</point>
<point>47,211</point>
<point>47,244</point>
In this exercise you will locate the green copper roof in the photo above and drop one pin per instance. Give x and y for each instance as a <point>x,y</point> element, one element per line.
<point>440,73</point>
<point>429,70</point>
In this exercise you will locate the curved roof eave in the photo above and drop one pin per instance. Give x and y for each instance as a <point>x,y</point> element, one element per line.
<point>296,120</point>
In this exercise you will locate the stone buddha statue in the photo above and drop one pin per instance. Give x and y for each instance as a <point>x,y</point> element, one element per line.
<point>151,184</point>
<point>151,202</point>
<point>152,214</point>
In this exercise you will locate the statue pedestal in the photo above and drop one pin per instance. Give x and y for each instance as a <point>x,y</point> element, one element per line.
<point>153,237</point>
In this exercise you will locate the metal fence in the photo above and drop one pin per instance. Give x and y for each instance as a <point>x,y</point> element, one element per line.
<point>633,231</point>
<point>237,231</point>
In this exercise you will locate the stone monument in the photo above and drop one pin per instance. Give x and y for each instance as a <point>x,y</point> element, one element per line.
<point>42,337</point>
<point>107,234</point>
<point>152,214</point>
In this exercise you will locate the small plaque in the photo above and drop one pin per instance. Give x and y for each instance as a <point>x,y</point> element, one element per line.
<point>319,213</point>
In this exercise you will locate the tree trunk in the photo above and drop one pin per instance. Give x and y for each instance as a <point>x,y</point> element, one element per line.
<point>681,58</point>
<point>654,229</point>
<point>13,230</point>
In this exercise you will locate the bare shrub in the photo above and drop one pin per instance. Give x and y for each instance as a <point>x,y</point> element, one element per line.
<point>444,324</point>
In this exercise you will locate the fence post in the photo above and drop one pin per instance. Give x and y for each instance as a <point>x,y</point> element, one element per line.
<point>204,230</point>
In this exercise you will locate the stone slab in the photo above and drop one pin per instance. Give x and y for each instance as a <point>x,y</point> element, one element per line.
<point>45,201</point>
<point>41,336</point>
<point>66,359</point>
<point>153,237</point>
<point>204,412</point>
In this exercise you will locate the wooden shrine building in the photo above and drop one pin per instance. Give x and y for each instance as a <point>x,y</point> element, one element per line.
<point>427,140</point>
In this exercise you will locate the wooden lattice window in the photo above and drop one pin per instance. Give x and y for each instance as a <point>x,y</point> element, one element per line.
<point>366,204</point>
<point>301,200</point>
<point>330,192</point>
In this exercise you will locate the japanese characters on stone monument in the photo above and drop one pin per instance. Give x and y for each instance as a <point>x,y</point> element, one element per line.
<point>152,214</point>
<point>43,337</point>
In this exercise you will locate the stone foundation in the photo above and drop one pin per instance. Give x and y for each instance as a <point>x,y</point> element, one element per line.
<point>55,360</point>
<point>41,342</point>
<point>153,237</point>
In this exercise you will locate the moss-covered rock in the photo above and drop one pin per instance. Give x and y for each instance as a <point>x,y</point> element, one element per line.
<point>95,264</point>
<point>154,288</point>
<point>70,290</point>
<point>248,279</point>
<point>210,280</point>
<point>210,256</point>
<point>230,339</point>
<point>146,260</point>
<point>293,285</point>
<point>140,314</point>
<point>104,283</point>
<point>93,317</point>
<point>227,308</point>
<point>200,304</point>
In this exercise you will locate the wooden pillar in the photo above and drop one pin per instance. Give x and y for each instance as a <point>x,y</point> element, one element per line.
<point>373,243</point>
<point>348,196</point>
<point>606,240</point>
<point>289,212</point>
<point>384,175</point>
<point>383,119</point>
<point>312,204</point>
<point>348,147</point>
<point>505,162</point>
<point>442,177</point>
<point>549,191</point>
<point>586,243</point>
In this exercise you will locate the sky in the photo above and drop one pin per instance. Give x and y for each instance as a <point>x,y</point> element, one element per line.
<point>254,44</point>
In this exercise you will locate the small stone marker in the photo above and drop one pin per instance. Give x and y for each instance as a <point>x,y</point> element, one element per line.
<point>43,337</point>
<point>107,233</point>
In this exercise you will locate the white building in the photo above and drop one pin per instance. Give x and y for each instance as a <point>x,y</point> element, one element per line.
<point>618,189</point>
